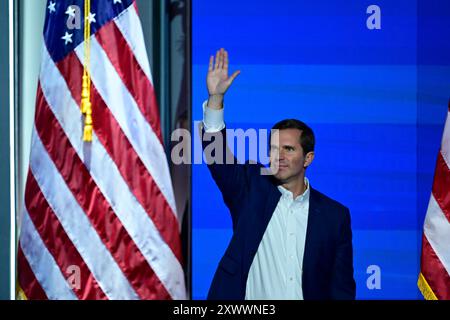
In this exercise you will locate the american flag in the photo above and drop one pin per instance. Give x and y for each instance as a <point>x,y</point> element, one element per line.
<point>434,278</point>
<point>99,218</point>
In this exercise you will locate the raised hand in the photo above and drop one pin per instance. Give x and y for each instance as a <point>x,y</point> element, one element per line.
<point>218,80</point>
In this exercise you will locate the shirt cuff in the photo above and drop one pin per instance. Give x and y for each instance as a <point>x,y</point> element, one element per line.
<point>212,119</point>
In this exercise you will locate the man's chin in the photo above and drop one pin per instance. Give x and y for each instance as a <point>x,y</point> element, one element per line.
<point>279,174</point>
<point>280,177</point>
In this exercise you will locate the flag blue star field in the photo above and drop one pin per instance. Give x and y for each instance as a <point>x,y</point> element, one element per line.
<point>99,218</point>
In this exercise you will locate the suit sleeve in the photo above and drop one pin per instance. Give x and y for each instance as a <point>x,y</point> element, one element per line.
<point>343,285</point>
<point>229,175</point>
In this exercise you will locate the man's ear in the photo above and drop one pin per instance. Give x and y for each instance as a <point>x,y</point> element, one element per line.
<point>308,159</point>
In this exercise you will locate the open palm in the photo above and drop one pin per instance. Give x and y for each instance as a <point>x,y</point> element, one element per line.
<point>217,79</point>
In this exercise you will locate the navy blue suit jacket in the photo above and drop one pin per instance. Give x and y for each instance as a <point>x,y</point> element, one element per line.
<point>252,199</point>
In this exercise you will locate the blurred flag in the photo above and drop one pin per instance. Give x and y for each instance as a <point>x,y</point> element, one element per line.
<point>434,278</point>
<point>99,218</point>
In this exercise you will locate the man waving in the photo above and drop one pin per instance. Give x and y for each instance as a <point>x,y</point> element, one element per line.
<point>289,240</point>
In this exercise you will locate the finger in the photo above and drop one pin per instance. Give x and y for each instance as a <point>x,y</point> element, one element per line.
<point>233,76</point>
<point>225,62</point>
<point>217,60</point>
<point>221,59</point>
<point>211,61</point>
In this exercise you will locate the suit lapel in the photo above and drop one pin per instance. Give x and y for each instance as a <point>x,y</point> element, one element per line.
<point>272,201</point>
<point>313,230</point>
<point>260,224</point>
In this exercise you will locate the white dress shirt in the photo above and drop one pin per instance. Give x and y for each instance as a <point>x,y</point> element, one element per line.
<point>276,270</point>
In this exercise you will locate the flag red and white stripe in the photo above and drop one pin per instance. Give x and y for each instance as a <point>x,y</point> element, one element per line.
<point>434,278</point>
<point>99,218</point>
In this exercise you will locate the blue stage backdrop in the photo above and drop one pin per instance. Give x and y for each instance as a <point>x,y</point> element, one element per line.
<point>376,99</point>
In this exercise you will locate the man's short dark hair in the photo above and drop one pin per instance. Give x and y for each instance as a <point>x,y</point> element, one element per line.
<point>307,140</point>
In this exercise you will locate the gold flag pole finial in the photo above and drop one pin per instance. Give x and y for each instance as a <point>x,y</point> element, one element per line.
<point>86,106</point>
